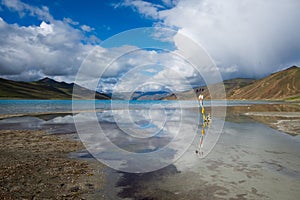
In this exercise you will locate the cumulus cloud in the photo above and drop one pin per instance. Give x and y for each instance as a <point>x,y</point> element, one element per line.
<point>244,37</point>
<point>54,48</point>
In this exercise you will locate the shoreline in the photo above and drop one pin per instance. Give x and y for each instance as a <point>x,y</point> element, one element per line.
<point>36,165</point>
<point>287,122</point>
<point>284,117</point>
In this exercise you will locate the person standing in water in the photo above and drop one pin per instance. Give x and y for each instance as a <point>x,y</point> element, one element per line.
<point>200,97</point>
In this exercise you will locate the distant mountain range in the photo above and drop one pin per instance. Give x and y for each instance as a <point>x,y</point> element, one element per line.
<point>153,95</point>
<point>282,85</point>
<point>140,95</point>
<point>45,88</point>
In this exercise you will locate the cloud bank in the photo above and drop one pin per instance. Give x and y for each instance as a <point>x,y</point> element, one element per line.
<point>50,49</point>
<point>54,48</point>
<point>244,37</point>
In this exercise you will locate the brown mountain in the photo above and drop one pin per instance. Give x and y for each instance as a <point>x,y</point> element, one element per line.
<point>282,85</point>
<point>43,89</point>
<point>230,86</point>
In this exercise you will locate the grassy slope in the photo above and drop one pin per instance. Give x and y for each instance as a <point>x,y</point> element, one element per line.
<point>42,89</point>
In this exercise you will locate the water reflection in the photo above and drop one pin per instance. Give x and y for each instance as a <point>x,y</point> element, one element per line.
<point>142,138</point>
<point>51,123</point>
<point>250,158</point>
<point>138,139</point>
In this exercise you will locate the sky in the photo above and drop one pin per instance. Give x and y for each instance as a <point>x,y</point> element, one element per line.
<point>54,38</point>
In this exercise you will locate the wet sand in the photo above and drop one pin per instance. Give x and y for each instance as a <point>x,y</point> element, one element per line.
<point>35,165</point>
<point>4,116</point>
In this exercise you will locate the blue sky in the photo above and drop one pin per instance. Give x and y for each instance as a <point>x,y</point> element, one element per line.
<point>100,15</point>
<point>106,18</point>
<point>244,38</point>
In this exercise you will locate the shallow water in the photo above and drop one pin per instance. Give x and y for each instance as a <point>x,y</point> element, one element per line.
<point>249,161</point>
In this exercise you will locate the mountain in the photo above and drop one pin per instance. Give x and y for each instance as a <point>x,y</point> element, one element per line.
<point>140,95</point>
<point>152,95</point>
<point>282,85</point>
<point>45,88</point>
<point>230,86</point>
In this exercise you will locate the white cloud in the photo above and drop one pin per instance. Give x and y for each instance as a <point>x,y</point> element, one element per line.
<point>46,29</point>
<point>170,3</point>
<point>70,21</point>
<point>135,69</point>
<point>23,8</point>
<point>29,75</point>
<point>54,48</point>
<point>86,28</point>
<point>258,37</point>
<point>127,68</point>
<point>146,8</point>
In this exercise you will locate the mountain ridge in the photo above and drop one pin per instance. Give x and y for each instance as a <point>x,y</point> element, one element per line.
<point>281,85</point>
<point>45,88</point>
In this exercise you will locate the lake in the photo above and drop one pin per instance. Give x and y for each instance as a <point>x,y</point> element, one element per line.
<point>240,158</point>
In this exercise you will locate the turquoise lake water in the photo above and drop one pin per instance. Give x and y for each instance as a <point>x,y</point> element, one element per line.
<point>35,106</point>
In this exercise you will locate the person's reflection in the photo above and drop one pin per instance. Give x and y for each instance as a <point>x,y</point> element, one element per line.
<point>206,119</point>
<point>199,150</point>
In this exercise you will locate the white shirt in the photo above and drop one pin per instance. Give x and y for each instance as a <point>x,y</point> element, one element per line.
<point>200,97</point>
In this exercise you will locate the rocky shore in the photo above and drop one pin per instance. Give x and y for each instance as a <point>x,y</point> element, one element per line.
<point>35,165</point>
